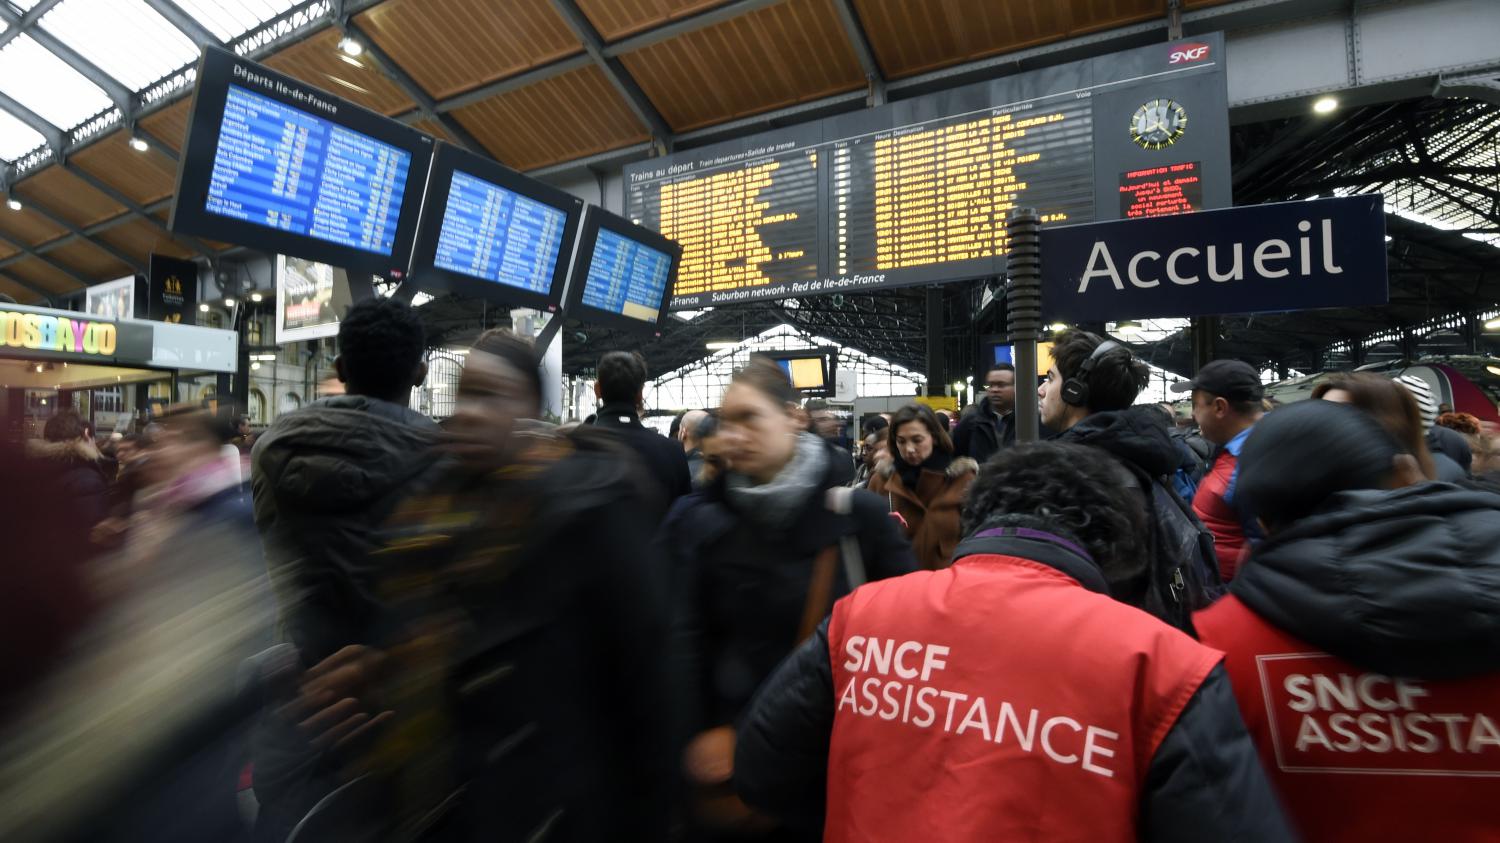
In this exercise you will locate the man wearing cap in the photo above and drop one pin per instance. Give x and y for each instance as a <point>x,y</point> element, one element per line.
<point>1226,406</point>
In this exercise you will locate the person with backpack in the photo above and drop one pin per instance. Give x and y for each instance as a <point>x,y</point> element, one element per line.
<point>1011,696</point>
<point>1088,397</point>
<point>1226,405</point>
<point>757,559</point>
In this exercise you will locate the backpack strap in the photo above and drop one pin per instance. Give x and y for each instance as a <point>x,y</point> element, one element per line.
<point>841,502</point>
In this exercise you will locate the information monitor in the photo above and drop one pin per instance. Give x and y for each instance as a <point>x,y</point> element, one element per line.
<point>919,191</point>
<point>276,164</point>
<point>811,371</point>
<point>490,232</point>
<point>623,273</point>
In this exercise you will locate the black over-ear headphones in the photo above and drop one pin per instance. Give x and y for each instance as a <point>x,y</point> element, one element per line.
<point>1075,390</point>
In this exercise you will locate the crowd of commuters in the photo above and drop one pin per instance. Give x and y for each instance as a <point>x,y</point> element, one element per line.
<point>1234,623</point>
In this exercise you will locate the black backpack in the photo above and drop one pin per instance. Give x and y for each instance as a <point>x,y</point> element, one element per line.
<point>1184,572</point>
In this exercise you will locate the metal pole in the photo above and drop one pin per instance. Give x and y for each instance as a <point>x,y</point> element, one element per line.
<point>1023,306</point>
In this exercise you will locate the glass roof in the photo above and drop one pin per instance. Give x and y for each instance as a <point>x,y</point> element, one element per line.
<point>45,84</point>
<point>16,138</point>
<point>229,19</point>
<point>123,38</point>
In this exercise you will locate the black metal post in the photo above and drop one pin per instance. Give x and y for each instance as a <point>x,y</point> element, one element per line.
<point>1023,306</point>
<point>937,374</point>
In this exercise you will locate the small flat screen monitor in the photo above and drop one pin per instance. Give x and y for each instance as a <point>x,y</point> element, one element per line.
<point>488,231</point>
<point>811,371</point>
<point>276,164</point>
<point>311,299</point>
<point>623,273</point>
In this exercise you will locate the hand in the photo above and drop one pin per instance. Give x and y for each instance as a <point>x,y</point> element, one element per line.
<point>331,706</point>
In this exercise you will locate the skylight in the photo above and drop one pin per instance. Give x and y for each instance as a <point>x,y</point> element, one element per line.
<point>45,84</point>
<point>124,38</point>
<point>229,19</point>
<point>16,138</point>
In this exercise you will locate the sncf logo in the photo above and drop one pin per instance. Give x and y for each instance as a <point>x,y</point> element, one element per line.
<point>1185,53</point>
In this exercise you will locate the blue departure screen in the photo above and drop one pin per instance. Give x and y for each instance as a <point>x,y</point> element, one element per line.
<point>626,277</point>
<point>499,235</point>
<point>290,170</point>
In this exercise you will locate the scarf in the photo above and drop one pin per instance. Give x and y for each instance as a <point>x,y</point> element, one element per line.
<point>912,474</point>
<point>776,503</point>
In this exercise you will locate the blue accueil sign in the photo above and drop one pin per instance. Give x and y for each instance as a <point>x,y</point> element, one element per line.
<point>1255,259</point>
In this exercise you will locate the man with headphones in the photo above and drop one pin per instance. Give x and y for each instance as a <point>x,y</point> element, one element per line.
<point>1089,396</point>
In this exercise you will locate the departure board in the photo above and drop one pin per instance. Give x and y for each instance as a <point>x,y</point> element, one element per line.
<point>499,235</point>
<point>284,168</point>
<point>919,191</point>
<point>275,164</point>
<point>626,277</point>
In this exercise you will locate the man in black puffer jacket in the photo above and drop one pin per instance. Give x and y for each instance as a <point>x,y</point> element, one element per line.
<point>1364,634</point>
<point>1088,396</point>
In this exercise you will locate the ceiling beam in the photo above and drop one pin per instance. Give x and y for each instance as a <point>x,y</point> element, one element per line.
<point>615,72</point>
<point>537,74</point>
<point>185,23</point>
<point>60,267</point>
<point>855,32</point>
<point>120,95</point>
<point>85,235</point>
<point>426,105</point>
<point>74,230</point>
<point>135,208</point>
<point>683,26</point>
<point>47,298</point>
<point>53,134</point>
<point>26,21</point>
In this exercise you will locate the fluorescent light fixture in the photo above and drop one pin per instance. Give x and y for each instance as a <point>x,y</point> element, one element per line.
<point>139,145</point>
<point>263,357</point>
<point>350,47</point>
<point>13,204</point>
<point>230,302</point>
<point>1493,324</point>
<point>1058,326</point>
<point>721,345</point>
<point>1325,105</point>
<point>1127,326</point>
<point>1494,370</point>
<point>257,298</point>
<point>203,307</point>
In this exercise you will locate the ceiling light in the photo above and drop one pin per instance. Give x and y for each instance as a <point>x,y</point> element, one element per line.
<point>959,386</point>
<point>1325,105</point>
<point>1493,324</point>
<point>203,307</point>
<point>13,203</point>
<point>230,302</point>
<point>257,298</point>
<point>255,367</point>
<point>350,47</point>
<point>1494,370</point>
<point>139,145</point>
<point>44,402</point>
<point>721,345</point>
<point>1127,326</point>
<point>1058,326</point>
<point>39,368</point>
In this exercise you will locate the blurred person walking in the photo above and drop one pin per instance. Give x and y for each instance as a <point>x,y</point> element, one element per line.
<point>915,713</point>
<point>1451,454</point>
<point>1394,407</point>
<point>1088,398</point>
<point>620,385</point>
<point>69,448</point>
<point>925,483</point>
<point>1226,405</point>
<point>757,560</point>
<point>1363,637</point>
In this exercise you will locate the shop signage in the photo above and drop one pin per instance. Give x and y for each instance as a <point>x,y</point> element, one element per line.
<point>1259,258</point>
<point>172,292</point>
<point>44,332</point>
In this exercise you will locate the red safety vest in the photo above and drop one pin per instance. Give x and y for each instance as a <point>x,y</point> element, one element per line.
<point>998,699</point>
<point>1357,755</point>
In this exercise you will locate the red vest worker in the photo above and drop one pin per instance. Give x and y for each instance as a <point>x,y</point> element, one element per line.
<point>1363,636</point>
<point>1009,697</point>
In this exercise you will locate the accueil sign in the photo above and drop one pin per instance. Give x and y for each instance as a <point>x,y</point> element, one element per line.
<point>44,332</point>
<point>1259,258</point>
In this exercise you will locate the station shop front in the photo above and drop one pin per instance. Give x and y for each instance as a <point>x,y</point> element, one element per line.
<point>112,371</point>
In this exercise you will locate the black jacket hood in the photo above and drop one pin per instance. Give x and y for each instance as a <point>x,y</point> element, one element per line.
<point>343,453</point>
<point>1135,435</point>
<point>1404,582</point>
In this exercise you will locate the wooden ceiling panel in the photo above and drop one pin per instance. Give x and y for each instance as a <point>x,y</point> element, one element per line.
<point>911,38</point>
<point>434,129</point>
<point>27,225</point>
<point>318,62</point>
<point>90,260</point>
<point>69,197</point>
<point>42,275</point>
<point>170,124</point>
<point>477,41</point>
<point>773,57</point>
<point>616,19</point>
<point>16,291</point>
<point>6,249</point>
<point>139,239</point>
<point>569,116</point>
<point>145,177</point>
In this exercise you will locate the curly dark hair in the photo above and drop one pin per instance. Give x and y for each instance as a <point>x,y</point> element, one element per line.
<point>1116,378</point>
<point>381,343</point>
<point>1066,489</point>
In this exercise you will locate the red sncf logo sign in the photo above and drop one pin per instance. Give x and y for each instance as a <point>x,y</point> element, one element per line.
<point>1184,53</point>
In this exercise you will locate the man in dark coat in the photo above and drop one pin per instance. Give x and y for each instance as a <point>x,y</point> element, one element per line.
<point>324,478</point>
<point>619,388</point>
<point>991,425</point>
